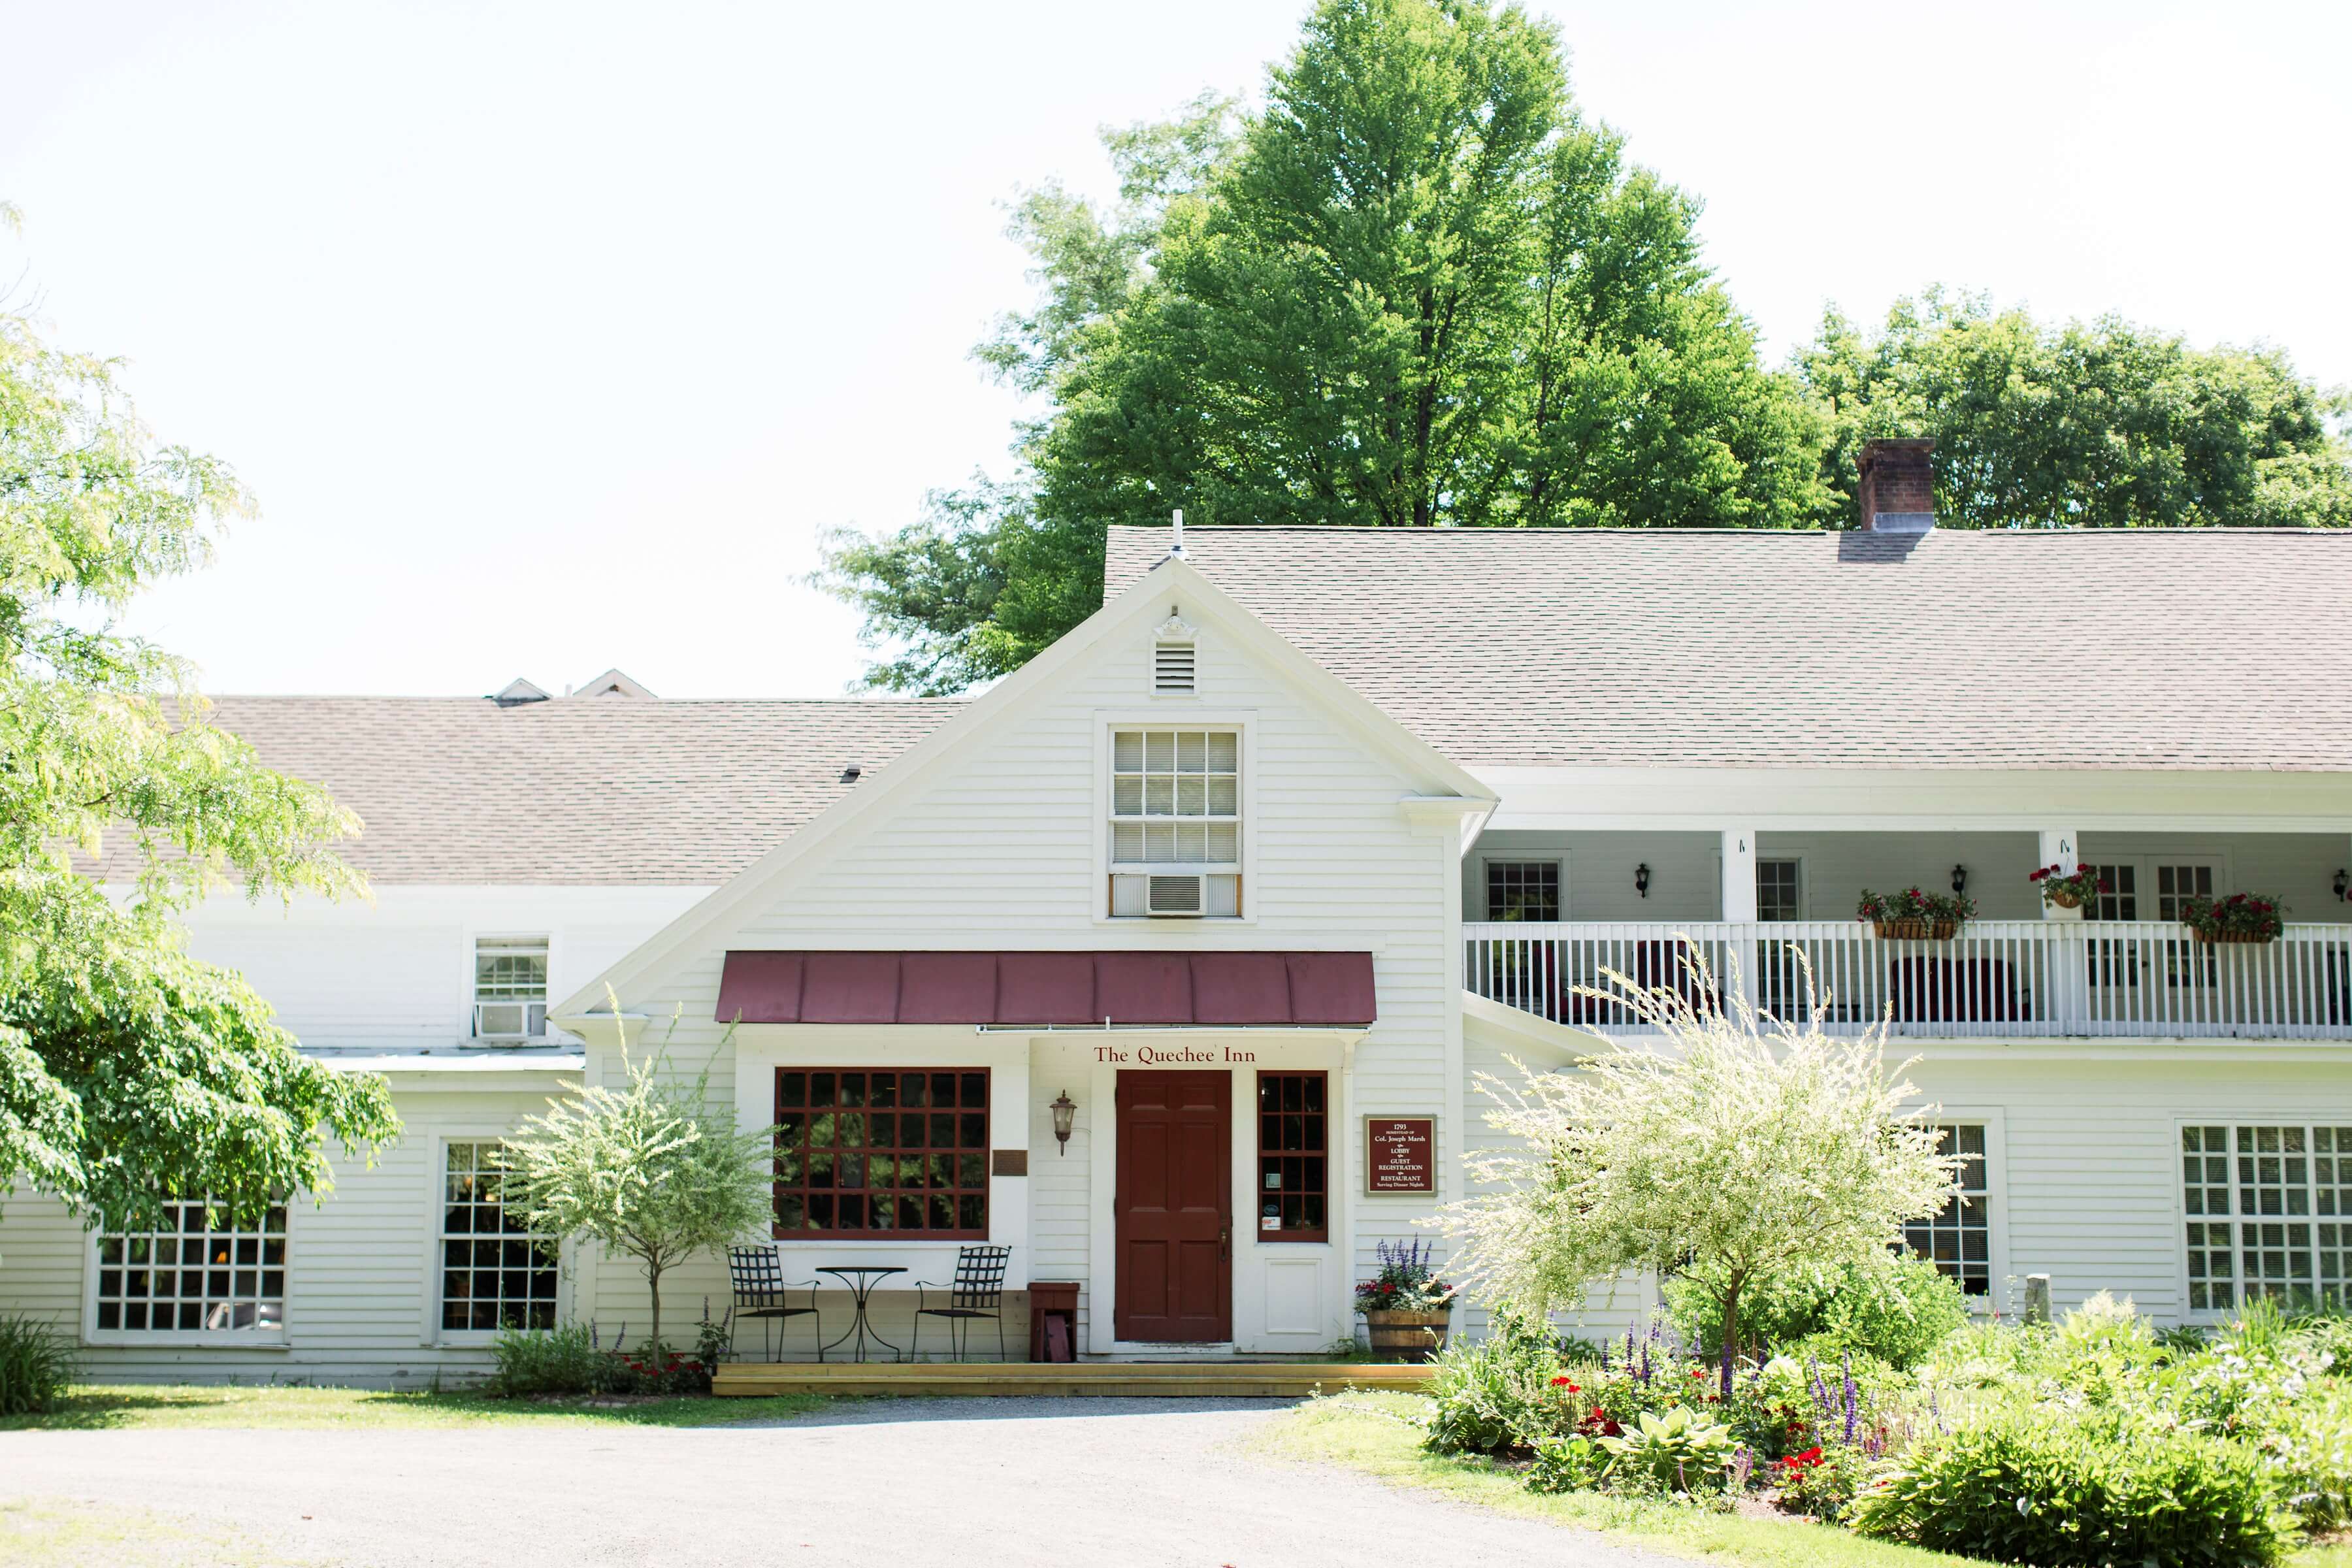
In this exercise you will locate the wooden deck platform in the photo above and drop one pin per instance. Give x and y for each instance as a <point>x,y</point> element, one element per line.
<point>1126,1379</point>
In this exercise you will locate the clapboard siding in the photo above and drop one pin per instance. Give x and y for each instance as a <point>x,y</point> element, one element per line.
<point>359,1271</point>
<point>395,972</point>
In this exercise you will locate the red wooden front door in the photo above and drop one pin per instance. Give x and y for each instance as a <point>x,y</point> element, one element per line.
<point>1173,1208</point>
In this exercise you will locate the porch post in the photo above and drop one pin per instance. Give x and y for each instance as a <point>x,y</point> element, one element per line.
<point>2064,983</point>
<point>1740,908</point>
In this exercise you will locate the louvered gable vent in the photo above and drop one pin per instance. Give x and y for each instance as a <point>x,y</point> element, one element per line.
<point>1172,651</point>
<point>1171,667</point>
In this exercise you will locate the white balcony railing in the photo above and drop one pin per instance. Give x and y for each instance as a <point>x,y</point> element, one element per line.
<point>1996,978</point>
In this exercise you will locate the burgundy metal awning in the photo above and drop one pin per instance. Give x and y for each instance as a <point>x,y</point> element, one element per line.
<point>1293,989</point>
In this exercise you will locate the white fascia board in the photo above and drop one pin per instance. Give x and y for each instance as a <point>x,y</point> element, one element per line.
<point>1864,800</point>
<point>871,801</point>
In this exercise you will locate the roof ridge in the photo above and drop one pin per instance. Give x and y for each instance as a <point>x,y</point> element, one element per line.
<point>1945,530</point>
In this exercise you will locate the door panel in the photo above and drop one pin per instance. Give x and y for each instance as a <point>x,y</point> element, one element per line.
<point>1173,1210</point>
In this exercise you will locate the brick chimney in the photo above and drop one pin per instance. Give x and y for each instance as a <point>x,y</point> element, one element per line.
<point>1898,485</point>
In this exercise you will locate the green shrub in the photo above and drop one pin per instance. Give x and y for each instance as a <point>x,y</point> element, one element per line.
<point>2306,1449</point>
<point>564,1360</point>
<point>1675,1452</point>
<point>1567,1464</point>
<point>36,1366</point>
<point>1898,1313</point>
<point>1496,1394</point>
<point>2061,1491</point>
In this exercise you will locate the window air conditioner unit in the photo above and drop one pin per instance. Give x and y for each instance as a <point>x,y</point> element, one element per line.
<point>510,1020</point>
<point>1177,898</point>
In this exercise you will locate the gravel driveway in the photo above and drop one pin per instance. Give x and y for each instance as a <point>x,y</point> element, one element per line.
<point>1049,1481</point>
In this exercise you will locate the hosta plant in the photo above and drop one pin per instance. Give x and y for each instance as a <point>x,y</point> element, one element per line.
<point>1676,1452</point>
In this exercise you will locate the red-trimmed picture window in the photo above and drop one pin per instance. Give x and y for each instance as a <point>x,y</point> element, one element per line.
<point>1293,1185</point>
<point>882,1151</point>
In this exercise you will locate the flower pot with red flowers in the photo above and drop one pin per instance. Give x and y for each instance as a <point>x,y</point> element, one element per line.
<point>2068,890</point>
<point>1915,916</point>
<point>2251,917</point>
<point>1406,1307</point>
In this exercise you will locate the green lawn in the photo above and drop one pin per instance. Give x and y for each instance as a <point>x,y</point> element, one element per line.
<point>1380,1434</point>
<point>101,1406</point>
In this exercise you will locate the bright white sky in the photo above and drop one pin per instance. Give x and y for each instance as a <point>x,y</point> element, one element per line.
<point>551,335</point>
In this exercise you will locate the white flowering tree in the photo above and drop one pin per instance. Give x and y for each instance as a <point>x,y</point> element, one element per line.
<point>1732,1149</point>
<point>651,1172</point>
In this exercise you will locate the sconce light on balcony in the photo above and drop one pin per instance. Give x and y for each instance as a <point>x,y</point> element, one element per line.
<point>1063,1107</point>
<point>1959,880</point>
<point>2343,885</point>
<point>1642,879</point>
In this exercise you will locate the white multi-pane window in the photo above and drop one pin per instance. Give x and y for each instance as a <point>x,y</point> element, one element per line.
<point>1776,890</point>
<point>495,1274</point>
<point>1176,823</point>
<point>1523,891</point>
<point>196,1272</point>
<point>509,987</point>
<point>1958,1238</point>
<point>2269,1213</point>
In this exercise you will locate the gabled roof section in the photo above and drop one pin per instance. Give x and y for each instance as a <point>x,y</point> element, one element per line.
<point>460,789</point>
<point>2138,649</point>
<point>1144,604</point>
<point>612,683</point>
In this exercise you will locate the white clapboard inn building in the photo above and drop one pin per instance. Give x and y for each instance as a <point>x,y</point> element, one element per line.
<point>1169,961</point>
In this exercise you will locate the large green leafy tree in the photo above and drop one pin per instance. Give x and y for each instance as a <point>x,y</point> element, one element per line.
<point>1417,287</point>
<point>2103,425</point>
<point>130,1073</point>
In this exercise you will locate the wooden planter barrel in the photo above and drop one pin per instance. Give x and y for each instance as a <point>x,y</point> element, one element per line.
<point>1408,1336</point>
<point>1917,930</point>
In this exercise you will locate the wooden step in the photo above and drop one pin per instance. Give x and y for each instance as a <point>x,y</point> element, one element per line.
<point>1126,1379</point>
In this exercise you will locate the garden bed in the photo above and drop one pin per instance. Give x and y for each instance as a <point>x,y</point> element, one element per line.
<point>1379,1435</point>
<point>2091,1442</point>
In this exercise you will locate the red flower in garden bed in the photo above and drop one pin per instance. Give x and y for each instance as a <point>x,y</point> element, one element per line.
<point>1805,1461</point>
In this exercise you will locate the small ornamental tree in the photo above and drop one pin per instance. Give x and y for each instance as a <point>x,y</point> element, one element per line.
<point>651,1170</point>
<point>1731,1151</point>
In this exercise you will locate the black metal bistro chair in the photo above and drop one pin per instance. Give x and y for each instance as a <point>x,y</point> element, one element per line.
<point>977,1293</point>
<point>757,1275</point>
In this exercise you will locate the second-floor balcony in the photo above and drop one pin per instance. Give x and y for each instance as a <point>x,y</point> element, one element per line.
<point>2003,979</point>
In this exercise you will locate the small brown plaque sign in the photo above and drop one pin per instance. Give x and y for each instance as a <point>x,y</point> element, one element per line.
<point>1010,1163</point>
<point>1400,1153</point>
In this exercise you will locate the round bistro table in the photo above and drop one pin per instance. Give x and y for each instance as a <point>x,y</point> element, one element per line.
<point>861,1279</point>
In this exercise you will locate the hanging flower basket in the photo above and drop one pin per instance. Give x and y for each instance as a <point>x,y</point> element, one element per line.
<point>1914,916</point>
<point>2067,890</point>
<point>2247,918</point>
<point>1916,930</point>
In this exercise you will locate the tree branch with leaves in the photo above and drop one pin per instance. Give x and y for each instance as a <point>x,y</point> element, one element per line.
<point>131,1075</point>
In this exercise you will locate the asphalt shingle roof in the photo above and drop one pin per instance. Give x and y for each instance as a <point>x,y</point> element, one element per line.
<point>2210,648</point>
<point>581,791</point>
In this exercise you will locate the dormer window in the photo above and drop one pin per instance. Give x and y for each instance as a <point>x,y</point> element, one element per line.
<point>1172,649</point>
<point>1176,824</point>
<point>510,988</point>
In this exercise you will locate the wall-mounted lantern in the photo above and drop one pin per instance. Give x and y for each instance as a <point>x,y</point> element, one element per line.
<point>1642,879</point>
<point>2343,885</point>
<point>1959,880</point>
<point>1063,1107</point>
